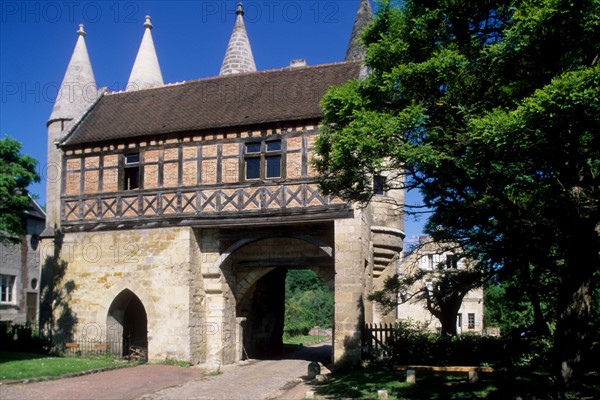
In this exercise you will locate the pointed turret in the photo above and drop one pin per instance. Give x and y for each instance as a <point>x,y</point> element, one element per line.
<point>78,89</point>
<point>145,73</point>
<point>238,57</point>
<point>76,95</point>
<point>356,49</point>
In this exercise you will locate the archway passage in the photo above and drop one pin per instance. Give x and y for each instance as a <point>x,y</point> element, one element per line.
<point>127,326</point>
<point>285,304</point>
<point>255,269</point>
<point>265,305</point>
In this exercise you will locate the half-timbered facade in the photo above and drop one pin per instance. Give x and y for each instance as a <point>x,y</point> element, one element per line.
<point>227,149</point>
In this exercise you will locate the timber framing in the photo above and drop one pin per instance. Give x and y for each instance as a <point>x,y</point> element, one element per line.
<point>197,179</point>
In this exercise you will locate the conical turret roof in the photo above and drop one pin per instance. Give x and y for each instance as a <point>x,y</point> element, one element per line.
<point>356,49</point>
<point>238,57</point>
<point>146,72</point>
<point>78,89</point>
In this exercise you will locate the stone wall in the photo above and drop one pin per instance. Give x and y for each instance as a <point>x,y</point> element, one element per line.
<point>157,266</point>
<point>352,242</point>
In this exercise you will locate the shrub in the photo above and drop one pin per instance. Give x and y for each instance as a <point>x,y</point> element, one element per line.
<point>411,344</point>
<point>20,338</point>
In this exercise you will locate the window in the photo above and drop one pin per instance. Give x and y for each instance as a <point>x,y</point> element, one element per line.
<point>403,295</point>
<point>263,160</point>
<point>34,241</point>
<point>131,171</point>
<point>379,185</point>
<point>429,285</point>
<point>459,320</point>
<point>427,262</point>
<point>430,263</point>
<point>7,293</point>
<point>452,261</point>
<point>471,321</point>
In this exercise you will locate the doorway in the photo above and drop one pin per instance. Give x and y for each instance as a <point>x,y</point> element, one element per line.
<point>127,326</point>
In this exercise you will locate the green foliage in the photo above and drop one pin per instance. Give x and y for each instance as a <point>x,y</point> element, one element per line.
<point>308,303</point>
<point>17,171</point>
<point>490,109</point>
<point>516,304</point>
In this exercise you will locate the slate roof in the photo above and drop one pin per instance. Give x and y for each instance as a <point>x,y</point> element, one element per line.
<point>288,94</point>
<point>35,210</point>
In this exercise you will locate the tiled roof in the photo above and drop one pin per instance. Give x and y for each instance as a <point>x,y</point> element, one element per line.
<point>288,94</point>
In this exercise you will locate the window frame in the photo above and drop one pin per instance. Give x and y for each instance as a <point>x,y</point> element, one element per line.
<point>379,182</point>
<point>127,168</point>
<point>264,154</point>
<point>471,321</point>
<point>11,294</point>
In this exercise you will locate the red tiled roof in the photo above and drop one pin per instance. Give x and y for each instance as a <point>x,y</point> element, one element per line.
<point>227,101</point>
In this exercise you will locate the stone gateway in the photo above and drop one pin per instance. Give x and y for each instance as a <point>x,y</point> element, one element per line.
<point>181,207</point>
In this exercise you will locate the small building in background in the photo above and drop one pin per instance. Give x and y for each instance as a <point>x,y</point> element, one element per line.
<point>20,271</point>
<point>428,261</point>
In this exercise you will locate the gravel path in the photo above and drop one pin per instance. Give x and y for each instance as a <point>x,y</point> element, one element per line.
<point>269,379</point>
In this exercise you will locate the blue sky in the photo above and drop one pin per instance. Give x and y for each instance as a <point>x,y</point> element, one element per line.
<point>38,37</point>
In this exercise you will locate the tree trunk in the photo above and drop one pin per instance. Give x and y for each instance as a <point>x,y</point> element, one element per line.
<point>448,321</point>
<point>539,321</point>
<point>574,304</point>
<point>448,315</point>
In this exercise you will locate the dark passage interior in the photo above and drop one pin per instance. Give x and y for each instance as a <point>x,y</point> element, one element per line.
<point>263,329</point>
<point>127,325</point>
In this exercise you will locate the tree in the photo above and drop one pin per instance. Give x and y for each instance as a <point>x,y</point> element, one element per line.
<point>308,302</point>
<point>17,172</point>
<point>524,300</point>
<point>490,109</point>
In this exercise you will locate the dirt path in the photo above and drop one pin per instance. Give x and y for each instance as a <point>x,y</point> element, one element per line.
<point>270,379</point>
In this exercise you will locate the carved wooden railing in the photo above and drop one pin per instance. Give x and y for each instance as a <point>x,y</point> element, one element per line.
<point>186,202</point>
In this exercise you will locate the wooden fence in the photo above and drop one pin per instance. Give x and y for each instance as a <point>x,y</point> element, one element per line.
<point>377,341</point>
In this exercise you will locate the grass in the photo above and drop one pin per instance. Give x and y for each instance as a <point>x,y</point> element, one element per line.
<point>174,362</point>
<point>15,366</point>
<point>303,340</point>
<point>294,343</point>
<point>365,383</point>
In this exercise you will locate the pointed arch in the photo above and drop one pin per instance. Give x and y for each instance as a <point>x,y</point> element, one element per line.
<point>102,311</point>
<point>127,324</point>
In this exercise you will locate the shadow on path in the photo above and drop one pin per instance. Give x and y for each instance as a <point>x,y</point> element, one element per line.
<point>320,353</point>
